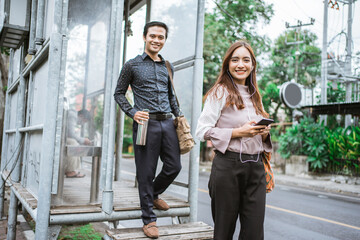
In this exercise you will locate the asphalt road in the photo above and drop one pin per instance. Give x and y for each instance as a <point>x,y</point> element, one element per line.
<point>291,213</point>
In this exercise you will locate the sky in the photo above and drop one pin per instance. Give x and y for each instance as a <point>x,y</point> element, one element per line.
<point>293,10</point>
<point>286,11</point>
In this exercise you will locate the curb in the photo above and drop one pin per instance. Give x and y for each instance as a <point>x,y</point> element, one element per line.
<point>319,185</point>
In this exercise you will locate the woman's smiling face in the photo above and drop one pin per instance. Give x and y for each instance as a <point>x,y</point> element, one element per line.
<point>240,65</point>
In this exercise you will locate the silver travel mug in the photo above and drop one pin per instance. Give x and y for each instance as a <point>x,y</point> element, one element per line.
<point>142,132</point>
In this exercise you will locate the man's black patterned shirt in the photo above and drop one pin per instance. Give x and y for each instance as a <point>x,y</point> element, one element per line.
<point>149,81</point>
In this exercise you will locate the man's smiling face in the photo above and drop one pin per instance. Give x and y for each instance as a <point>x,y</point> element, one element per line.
<point>155,39</point>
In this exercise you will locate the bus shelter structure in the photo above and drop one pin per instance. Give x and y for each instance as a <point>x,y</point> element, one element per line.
<point>65,57</point>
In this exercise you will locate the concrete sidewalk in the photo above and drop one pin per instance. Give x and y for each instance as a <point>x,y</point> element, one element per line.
<point>322,183</point>
<point>319,183</point>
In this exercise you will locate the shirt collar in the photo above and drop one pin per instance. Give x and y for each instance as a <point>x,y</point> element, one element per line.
<point>144,55</point>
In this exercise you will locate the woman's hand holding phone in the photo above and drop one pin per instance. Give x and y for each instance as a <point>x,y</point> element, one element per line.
<point>265,132</point>
<point>265,121</point>
<point>249,129</point>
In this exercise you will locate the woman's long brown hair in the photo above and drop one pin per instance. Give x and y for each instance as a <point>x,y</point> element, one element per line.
<point>224,80</point>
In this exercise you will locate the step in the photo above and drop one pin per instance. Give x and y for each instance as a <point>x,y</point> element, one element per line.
<point>194,230</point>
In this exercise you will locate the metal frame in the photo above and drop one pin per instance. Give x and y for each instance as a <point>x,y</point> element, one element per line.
<point>53,49</point>
<point>5,139</point>
<point>15,174</point>
<point>13,36</point>
<point>196,111</point>
<point>32,47</point>
<point>40,16</point>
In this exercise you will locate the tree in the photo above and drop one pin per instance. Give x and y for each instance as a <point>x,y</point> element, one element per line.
<point>282,67</point>
<point>229,21</point>
<point>4,60</point>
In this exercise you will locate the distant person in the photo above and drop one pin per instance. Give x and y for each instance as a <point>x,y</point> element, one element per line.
<point>149,80</point>
<point>237,185</point>
<point>73,138</point>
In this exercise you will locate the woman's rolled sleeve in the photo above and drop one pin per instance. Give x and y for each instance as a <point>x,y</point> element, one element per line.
<point>220,138</point>
<point>209,116</point>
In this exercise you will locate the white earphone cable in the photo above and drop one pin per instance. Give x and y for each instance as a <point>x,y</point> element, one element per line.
<point>248,114</point>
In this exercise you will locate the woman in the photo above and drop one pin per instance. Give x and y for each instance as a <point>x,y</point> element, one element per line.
<point>237,183</point>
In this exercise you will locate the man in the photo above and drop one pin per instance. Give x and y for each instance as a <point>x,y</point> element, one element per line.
<point>149,80</point>
<point>73,138</point>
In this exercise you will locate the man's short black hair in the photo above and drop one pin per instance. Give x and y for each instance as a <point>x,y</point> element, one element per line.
<point>84,114</point>
<point>155,23</point>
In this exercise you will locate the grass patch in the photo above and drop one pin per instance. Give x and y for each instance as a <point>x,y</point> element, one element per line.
<point>79,232</point>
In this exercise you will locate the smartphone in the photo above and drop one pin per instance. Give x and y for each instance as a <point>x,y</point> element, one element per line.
<point>264,121</point>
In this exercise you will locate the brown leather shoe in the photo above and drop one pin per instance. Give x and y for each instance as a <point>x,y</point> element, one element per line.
<point>161,204</point>
<point>151,230</point>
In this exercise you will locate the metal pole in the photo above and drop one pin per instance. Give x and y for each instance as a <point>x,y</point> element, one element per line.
<point>120,114</point>
<point>109,105</point>
<point>324,62</point>
<point>39,40</point>
<point>15,175</point>
<point>94,189</point>
<point>49,132</point>
<point>62,106</point>
<point>32,47</point>
<point>87,61</point>
<point>86,72</point>
<point>120,142</point>
<point>148,10</point>
<point>297,54</point>
<point>196,111</point>
<point>114,216</point>
<point>11,228</point>
<point>30,89</point>
<point>348,61</point>
<point>58,198</point>
<point>5,138</point>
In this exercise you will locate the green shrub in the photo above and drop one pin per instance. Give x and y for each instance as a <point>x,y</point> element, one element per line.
<point>306,138</point>
<point>316,145</point>
<point>291,143</point>
<point>324,147</point>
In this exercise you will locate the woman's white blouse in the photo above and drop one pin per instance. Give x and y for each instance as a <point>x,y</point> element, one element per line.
<point>217,122</point>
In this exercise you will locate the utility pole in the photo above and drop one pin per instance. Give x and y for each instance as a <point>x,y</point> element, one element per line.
<point>348,61</point>
<point>324,62</point>
<point>297,41</point>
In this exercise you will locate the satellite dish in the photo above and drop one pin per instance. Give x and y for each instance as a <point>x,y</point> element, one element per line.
<point>290,94</point>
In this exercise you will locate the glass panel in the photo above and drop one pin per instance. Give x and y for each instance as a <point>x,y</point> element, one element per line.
<point>183,85</point>
<point>38,104</point>
<point>18,12</point>
<point>85,73</point>
<point>97,51</point>
<point>11,149</point>
<point>49,18</point>
<point>2,13</point>
<point>135,42</point>
<point>13,109</point>
<point>16,64</point>
<point>88,29</point>
<point>33,157</point>
<point>180,16</point>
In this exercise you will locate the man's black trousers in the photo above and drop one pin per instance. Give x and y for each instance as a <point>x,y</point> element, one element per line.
<point>161,140</point>
<point>237,189</point>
